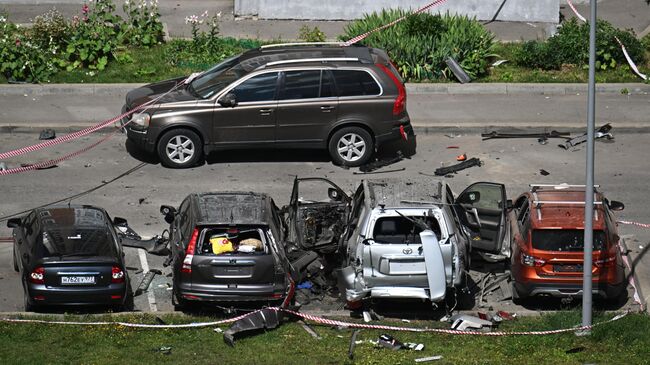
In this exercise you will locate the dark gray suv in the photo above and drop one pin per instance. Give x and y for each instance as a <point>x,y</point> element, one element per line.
<point>347,99</point>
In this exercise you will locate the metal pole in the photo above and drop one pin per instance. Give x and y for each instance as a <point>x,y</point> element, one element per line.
<point>589,189</point>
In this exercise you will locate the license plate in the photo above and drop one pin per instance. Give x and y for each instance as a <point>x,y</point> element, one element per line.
<point>77,280</point>
<point>407,267</point>
<point>567,268</point>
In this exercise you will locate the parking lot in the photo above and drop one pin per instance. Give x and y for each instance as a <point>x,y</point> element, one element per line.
<point>621,166</point>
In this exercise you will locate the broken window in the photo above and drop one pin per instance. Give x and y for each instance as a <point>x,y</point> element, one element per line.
<point>233,240</point>
<point>565,240</point>
<point>402,230</point>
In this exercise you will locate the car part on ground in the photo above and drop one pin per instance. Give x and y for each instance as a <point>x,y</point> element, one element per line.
<point>602,132</point>
<point>444,171</point>
<point>349,100</point>
<point>263,319</point>
<point>543,135</point>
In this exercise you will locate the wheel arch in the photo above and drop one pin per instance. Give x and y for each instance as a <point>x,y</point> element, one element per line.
<point>359,124</point>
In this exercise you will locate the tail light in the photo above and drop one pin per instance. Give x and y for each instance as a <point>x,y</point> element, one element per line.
<point>37,276</point>
<point>189,253</point>
<point>606,262</point>
<point>532,260</point>
<point>117,275</point>
<point>400,103</point>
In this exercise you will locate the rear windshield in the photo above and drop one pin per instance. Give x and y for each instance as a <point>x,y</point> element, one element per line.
<point>76,241</point>
<point>565,240</point>
<point>229,241</point>
<point>402,230</point>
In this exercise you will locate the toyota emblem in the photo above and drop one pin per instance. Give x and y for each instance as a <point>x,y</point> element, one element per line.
<point>407,251</point>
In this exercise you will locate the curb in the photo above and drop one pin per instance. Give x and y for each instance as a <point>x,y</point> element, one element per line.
<point>424,88</point>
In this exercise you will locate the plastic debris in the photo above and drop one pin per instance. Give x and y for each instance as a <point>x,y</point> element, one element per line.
<point>429,358</point>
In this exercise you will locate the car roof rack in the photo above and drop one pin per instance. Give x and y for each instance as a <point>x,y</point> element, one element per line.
<point>303,44</point>
<point>322,59</point>
<point>535,187</point>
<point>537,203</point>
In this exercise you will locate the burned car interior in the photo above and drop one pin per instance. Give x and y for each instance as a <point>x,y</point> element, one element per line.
<point>230,240</point>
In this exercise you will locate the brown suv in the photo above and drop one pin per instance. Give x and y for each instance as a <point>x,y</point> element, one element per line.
<point>347,99</point>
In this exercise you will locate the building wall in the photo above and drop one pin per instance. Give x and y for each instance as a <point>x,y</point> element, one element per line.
<point>546,11</point>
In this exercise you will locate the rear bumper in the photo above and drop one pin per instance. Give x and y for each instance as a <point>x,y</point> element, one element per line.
<point>226,293</point>
<point>603,290</point>
<point>395,134</point>
<point>114,294</point>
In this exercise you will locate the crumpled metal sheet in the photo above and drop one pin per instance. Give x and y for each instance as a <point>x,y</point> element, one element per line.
<point>264,319</point>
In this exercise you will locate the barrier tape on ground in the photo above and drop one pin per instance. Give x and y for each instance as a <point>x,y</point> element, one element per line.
<point>630,279</point>
<point>324,321</point>
<point>364,35</point>
<point>642,225</point>
<point>627,56</point>
<point>84,132</point>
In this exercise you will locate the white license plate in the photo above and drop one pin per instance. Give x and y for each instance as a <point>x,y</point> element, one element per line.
<point>77,280</point>
<point>407,267</point>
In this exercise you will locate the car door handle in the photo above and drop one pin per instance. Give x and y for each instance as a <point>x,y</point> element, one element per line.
<point>326,108</point>
<point>266,111</point>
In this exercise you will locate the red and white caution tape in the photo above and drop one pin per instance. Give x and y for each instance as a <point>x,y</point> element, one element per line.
<point>364,35</point>
<point>627,56</point>
<point>642,225</point>
<point>324,321</point>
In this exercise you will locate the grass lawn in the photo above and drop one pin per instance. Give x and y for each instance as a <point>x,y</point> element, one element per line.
<point>623,342</point>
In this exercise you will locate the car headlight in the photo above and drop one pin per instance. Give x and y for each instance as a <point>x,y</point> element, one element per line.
<point>141,120</point>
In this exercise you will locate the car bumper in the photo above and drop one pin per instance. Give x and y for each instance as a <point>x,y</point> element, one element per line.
<point>603,290</point>
<point>139,137</point>
<point>114,294</point>
<point>396,134</point>
<point>242,293</point>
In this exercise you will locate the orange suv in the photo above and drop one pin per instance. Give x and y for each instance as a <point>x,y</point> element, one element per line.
<point>547,225</point>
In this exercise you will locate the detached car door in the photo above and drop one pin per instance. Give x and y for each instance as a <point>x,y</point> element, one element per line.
<point>317,214</point>
<point>482,208</point>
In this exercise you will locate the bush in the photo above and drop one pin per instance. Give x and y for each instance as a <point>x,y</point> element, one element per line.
<point>571,46</point>
<point>420,44</point>
<point>308,34</point>
<point>143,26</point>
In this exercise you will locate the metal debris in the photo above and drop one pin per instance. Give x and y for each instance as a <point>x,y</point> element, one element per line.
<point>309,330</point>
<point>543,135</point>
<point>47,134</point>
<point>430,358</point>
<point>602,132</point>
<point>443,171</point>
<point>353,343</point>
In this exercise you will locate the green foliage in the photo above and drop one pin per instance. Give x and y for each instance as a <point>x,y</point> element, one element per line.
<point>571,46</point>
<point>308,34</point>
<point>420,44</point>
<point>142,26</point>
<point>645,42</point>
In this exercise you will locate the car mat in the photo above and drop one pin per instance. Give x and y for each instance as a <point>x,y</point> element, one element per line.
<point>264,319</point>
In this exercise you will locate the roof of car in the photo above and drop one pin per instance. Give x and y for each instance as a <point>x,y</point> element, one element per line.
<point>565,208</point>
<point>234,207</point>
<point>262,56</point>
<point>402,192</point>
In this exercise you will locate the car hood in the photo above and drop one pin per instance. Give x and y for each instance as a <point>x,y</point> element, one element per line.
<point>149,92</point>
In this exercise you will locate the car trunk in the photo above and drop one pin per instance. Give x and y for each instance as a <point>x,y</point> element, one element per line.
<point>74,272</point>
<point>232,256</point>
<point>562,251</point>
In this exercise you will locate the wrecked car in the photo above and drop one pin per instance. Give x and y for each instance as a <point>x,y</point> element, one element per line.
<point>548,241</point>
<point>400,238</point>
<point>227,247</point>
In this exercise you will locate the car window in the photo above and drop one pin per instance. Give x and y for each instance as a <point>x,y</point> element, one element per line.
<point>215,79</point>
<point>76,240</point>
<point>303,84</point>
<point>184,218</point>
<point>327,88</point>
<point>257,88</point>
<point>565,240</point>
<point>355,83</point>
<point>233,240</point>
<point>401,230</point>
<point>524,212</point>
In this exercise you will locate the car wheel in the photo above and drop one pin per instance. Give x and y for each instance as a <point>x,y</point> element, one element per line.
<point>517,298</point>
<point>16,269</point>
<point>180,148</point>
<point>351,146</point>
<point>28,306</point>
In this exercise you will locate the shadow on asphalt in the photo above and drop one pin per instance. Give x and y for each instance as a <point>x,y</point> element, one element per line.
<point>140,154</point>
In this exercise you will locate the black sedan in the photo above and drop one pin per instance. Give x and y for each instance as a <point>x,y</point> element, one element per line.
<point>70,256</point>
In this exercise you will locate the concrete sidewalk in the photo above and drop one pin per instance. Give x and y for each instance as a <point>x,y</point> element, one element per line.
<point>432,107</point>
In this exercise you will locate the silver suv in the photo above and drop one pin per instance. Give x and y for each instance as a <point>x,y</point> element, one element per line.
<point>347,99</point>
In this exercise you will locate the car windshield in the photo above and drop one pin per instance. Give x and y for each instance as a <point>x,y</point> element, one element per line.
<point>218,77</point>
<point>402,230</point>
<point>76,241</point>
<point>565,240</point>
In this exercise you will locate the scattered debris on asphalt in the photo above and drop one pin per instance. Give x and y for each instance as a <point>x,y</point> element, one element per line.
<point>39,168</point>
<point>146,281</point>
<point>462,157</point>
<point>544,172</point>
<point>602,132</point>
<point>543,135</point>
<point>378,172</point>
<point>444,171</point>
<point>379,163</point>
<point>453,147</point>
<point>47,133</point>
<point>463,322</point>
<point>3,166</point>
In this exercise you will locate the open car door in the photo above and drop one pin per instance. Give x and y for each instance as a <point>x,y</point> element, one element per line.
<point>482,209</point>
<point>318,214</point>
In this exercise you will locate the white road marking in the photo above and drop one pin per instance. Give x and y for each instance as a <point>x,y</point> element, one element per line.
<point>145,269</point>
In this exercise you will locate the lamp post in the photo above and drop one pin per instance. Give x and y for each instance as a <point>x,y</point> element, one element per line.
<point>589,188</point>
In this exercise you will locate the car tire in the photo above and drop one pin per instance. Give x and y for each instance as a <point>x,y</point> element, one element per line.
<point>517,298</point>
<point>16,269</point>
<point>180,148</point>
<point>28,306</point>
<point>351,146</point>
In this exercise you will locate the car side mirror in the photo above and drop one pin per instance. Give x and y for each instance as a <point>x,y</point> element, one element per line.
<point>334,194</point>
<point>120,222</point>
<point>168,212</point>
<point>228,101</point>
<point>470,197</point>
<point>616,205</point>
<point>14,223</point>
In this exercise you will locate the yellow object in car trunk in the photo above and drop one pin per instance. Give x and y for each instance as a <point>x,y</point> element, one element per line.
<point>221,245</point>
